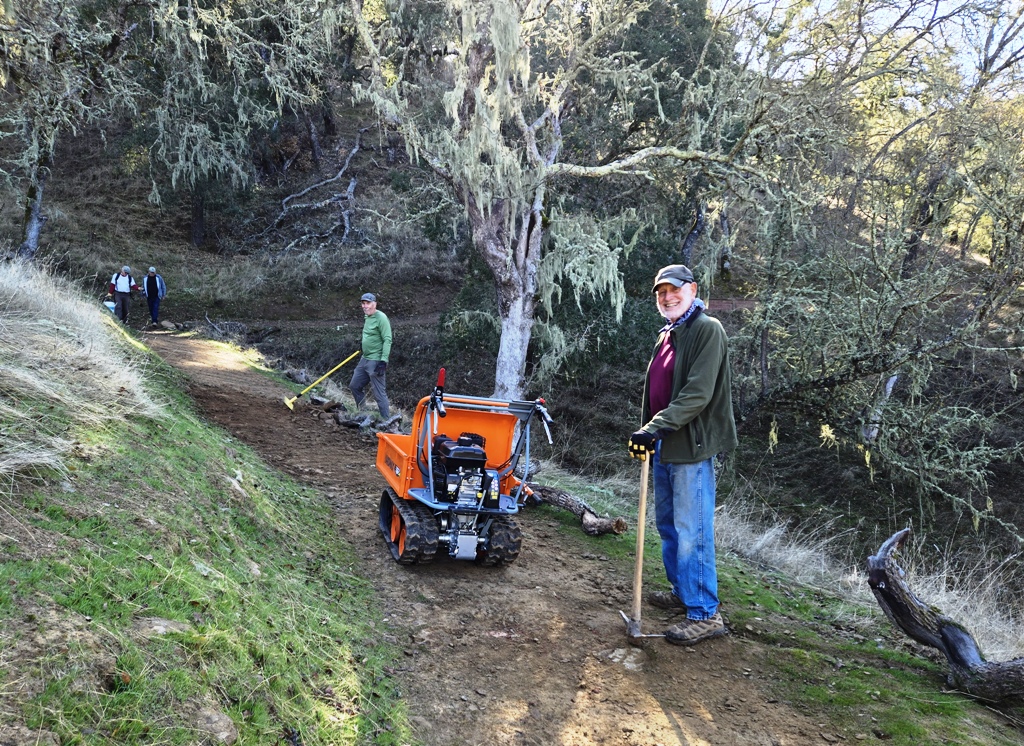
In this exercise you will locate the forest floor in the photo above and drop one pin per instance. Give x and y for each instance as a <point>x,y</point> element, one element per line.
<point>534,653</point>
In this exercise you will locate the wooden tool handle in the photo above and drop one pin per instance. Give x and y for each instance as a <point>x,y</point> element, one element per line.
<point>641,524</point>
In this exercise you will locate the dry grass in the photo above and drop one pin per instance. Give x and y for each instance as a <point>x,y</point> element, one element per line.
<point>65,365</point>
<point>808,554</point>
<point>974,594</point>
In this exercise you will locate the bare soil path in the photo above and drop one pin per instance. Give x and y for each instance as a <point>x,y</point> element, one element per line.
<point>534,653</point>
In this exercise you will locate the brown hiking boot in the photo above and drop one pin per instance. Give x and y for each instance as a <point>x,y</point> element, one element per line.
<point>691,631</point>
<point>665,600</point>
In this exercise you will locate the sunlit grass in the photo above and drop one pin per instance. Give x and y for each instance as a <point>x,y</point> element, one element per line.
<point>274,629</point>
<point>65,368</point>
<point>120,510</point>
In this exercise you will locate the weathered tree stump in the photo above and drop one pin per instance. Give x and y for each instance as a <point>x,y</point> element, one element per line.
<point>593,524</point>
<point>969,671</point>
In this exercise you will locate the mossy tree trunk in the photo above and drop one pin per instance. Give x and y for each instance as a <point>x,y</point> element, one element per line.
<point>515,280</point>
<point>197,229</point>
<point>34,219</point>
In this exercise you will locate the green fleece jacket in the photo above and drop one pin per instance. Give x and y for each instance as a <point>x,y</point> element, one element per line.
<point>377,337</point>
<point>698,422</point>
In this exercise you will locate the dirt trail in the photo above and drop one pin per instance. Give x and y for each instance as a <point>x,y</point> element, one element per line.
<point>530,654</point>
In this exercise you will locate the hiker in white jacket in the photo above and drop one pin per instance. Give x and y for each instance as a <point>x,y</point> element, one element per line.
<point>121,287</point>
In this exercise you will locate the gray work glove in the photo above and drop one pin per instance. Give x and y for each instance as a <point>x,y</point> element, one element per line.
<point>381,368</point>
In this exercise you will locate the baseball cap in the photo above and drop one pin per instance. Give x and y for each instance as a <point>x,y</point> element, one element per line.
<point>126,268</point>
<point>152,269</point>
<point>369,297</point>
<point>674,274</point>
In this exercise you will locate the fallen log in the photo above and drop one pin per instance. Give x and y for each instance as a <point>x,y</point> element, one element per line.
<point>593,524</point>
<point>969,671</point>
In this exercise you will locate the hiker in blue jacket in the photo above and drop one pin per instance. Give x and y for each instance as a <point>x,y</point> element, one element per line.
<point>155,290</point>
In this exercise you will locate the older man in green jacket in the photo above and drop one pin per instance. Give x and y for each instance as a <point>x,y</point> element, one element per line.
<point>688,419</point>
<point>373,365</point>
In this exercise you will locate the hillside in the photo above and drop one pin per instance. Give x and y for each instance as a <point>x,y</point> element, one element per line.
<point>161,584</point>
<point>186,560</point>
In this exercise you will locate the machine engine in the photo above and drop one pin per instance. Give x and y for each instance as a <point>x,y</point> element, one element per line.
<point>460,473</point>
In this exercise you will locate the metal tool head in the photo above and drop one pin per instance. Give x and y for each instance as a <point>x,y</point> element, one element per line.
<point>290,403</point>
<point>633,634</point>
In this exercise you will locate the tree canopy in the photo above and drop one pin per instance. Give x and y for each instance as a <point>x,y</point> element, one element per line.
<point>484,93</point>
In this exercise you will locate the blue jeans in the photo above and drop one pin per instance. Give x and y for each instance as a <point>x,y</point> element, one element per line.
<point>684,504</point>
<point>154,308</point>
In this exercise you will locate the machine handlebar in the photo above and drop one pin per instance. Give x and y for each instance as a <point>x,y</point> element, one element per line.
<point>544,413</point>
<point>437,397</point>
<point>545,419</point>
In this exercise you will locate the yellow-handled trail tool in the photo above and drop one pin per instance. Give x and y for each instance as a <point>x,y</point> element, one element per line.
<point>633,623</point>
<point>290,403</point>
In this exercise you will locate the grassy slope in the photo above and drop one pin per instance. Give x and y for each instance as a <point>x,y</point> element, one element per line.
<point>170,518</point>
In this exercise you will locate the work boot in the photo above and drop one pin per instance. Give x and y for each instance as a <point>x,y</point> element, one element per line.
<point>665,600</point>
<point>691,631</point>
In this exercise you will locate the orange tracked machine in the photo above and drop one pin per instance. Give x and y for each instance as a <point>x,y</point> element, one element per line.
<point>452,483</point>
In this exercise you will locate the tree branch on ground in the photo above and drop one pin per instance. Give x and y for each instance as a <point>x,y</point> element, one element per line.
<point>325,182</point>
<point>593,524</point>
<point>969,671</point>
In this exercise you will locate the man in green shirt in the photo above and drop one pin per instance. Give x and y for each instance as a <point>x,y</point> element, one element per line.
<point>374,363</point>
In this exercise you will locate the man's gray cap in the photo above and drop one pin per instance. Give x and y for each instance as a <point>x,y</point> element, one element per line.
<point>152,269</point>
<point>369,297</point>
<point>674,274</point>
<point>126,268</point>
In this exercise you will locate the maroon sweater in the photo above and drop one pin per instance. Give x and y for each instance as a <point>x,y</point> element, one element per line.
<point>661,370</point>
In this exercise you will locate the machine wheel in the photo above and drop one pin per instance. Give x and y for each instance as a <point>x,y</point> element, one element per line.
<point>504,541</point>
<point>409,528</point>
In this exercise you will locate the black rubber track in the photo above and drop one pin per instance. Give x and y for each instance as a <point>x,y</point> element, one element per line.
<point>503,543</point>
<point>419,543</point>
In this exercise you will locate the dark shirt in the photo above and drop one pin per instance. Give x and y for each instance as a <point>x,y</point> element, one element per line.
<point>662,367</point>
<point>151,288</point>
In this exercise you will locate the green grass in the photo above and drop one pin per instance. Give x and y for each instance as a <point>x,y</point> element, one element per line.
<point>277,632</point>
<point>866,684</point>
